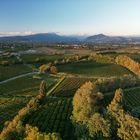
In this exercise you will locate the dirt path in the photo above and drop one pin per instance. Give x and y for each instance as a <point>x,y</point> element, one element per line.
<point>19,76</point>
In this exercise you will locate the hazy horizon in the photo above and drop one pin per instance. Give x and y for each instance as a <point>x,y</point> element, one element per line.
<point>10,34</point>
<point>80,17</point>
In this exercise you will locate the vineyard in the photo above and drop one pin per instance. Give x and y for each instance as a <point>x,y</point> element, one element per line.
<point>28,86</point>
<point>9,108</point>
<point>53,116</point>
<point>92,68</point>
<point>15,94</point>
<point>7,72</point>
<point>69,85</point>
<point>53,112</point>
<point>131,98</point>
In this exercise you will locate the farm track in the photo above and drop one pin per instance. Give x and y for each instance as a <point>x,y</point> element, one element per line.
<point>19,76</point>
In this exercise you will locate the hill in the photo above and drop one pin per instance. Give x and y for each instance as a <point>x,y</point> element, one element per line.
<point>56,38</point>
<point>42,37</point>
<point>101,38</point>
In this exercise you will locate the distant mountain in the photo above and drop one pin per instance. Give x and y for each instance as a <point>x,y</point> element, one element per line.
<point>55,38</point>
<point>44,37</point>
<point>101,38</point>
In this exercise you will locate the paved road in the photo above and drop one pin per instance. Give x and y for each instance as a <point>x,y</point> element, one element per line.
<point>19,76</point>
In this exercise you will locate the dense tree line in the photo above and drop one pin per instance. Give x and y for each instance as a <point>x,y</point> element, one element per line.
<point>129,63</point>
<point>32,133</point>
<point>86,105</point>
<point>48,68</point>
<point>112,123</point>
<point>86,101</point>
<point>128,127</point>
<point>110,84</point>
<point>101,58</point>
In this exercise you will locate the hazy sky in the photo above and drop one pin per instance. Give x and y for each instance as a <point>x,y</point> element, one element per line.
<point>112,17</point>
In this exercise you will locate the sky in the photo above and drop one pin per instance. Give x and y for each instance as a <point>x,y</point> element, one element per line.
<point>111,17</point>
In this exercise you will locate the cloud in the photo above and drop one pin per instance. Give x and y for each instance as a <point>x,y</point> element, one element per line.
<point>16,33</point>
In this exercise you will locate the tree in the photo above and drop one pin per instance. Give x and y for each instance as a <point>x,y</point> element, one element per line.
<point>85,101</point>
<point>32,133</point>
<point>45,68</point>
<point>98,127</point>
<point>13,130</point>
<point>128,63</point>
<point>53,70</point>
<point>116,104</point>
<point>113,83</point>
<point>42,89</point>
<point>128,127</point>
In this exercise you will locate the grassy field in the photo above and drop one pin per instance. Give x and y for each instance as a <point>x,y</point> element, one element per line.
<point>91,68</point>
<point>54,116</point>
<point>13,70</point>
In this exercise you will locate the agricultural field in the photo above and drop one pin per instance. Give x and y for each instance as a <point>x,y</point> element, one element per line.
<point>10,59</point>
<point>25,86</point>
<point>131,98</point>
<point>113,54</point>
<point>40,58</point>
<point>7,72</point>
<point>54,116</point>
<point>68,86</point>
<point>92,68</point>
<point>15,94</point>
<point>9,108</point>
<point>54,112</point>
<point>70,70</point>
<point>136,57</point>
